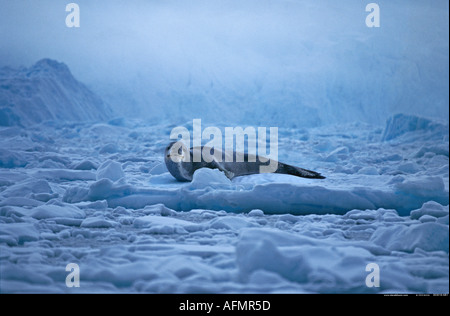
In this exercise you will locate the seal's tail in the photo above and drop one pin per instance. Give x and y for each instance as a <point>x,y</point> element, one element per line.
<point>299,172</point>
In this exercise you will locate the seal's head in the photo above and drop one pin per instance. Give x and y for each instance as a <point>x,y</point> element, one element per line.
<point>178,161</point>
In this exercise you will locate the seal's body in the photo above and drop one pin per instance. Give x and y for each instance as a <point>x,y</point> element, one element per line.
<point>238,165</point>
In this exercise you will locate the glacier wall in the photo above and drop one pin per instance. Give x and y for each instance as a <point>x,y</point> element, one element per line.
<point>284,63</point>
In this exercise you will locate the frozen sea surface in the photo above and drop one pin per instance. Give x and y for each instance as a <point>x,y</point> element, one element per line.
<point>97,195</point>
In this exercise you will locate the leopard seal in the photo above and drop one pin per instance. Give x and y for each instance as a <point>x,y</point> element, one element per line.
<point>240,164</point>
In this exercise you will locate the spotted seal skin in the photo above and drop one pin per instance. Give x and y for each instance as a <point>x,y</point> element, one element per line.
<point>240,164</point>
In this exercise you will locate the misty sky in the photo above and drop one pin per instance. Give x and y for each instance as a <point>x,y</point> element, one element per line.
<point>317,52</point>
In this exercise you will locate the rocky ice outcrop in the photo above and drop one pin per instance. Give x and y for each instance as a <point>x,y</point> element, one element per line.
<point>44,92</point>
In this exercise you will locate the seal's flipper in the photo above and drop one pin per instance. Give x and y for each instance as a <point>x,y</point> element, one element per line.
<point>299,172</point>
<point>215,165</point>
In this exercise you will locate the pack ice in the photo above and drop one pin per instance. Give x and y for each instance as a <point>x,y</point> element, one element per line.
<point>98,195</point>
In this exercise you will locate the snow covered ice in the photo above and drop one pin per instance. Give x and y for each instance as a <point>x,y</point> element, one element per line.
<point>131,227</point>
<point>82,173</point>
